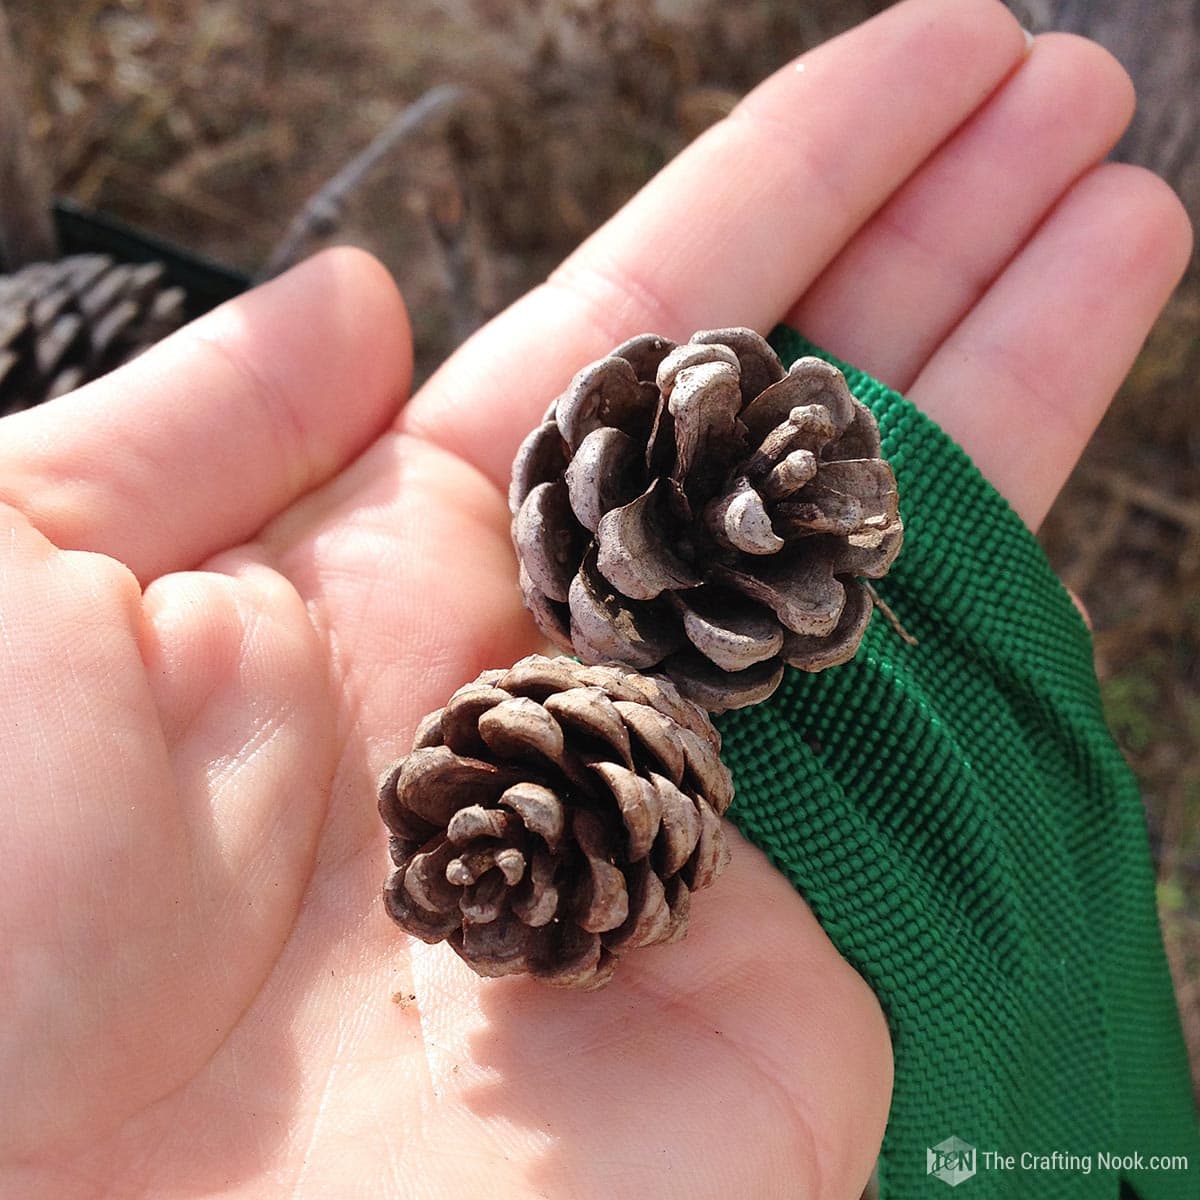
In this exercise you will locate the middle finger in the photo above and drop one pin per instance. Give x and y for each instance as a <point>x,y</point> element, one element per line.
<point>916,268</point>
<point>739,223</point>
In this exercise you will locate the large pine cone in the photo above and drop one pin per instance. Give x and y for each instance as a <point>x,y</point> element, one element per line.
<point>697,511</point>
<point>554,816</point>
<point>64,323</point>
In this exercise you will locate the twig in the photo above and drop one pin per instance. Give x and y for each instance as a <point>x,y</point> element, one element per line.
<point>1080,573</point>
<point>26,231</point>
<point>456,239</point>
<point>323,212</point>
<point>893,620</point>
<point>1178,512</point>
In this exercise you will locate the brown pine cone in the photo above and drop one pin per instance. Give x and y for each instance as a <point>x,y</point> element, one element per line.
<point>64,323</point>
<point>554,816</point>
<point>697,511</point>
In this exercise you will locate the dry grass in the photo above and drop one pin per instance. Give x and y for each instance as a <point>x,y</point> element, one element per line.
<point>210,123</point>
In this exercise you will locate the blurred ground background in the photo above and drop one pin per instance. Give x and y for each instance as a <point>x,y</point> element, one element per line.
<point>210,122</point>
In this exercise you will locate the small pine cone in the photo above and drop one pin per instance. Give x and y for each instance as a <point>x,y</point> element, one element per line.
<point>67,322</point>
<point>696,511</point>
<point>554,816</point>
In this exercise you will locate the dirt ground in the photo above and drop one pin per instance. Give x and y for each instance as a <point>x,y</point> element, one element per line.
<point>211,124</point>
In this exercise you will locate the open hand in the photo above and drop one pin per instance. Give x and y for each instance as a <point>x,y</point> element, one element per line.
<point>237,572</point>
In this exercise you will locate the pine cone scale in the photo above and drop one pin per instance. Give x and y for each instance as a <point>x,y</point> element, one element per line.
<point>612,627</point>
<point>657,737</point>
<point>108,327</point>
<point>758,363</point>
<point>604,474</point>
<point>589,711</point>
<point>475,821</point>
<point>711,856</point>
<point>849,496</point>
<point>71,321</point>
<point>520,728</point>
<point>542,456</point>
<point>638,804</point>
<point>718,689</point>
<point>104,291</point>
<point>458,722</point>
<point>680,830</point>
<point>506,949</point>
<point>434,783</point>
<point>739,521</point>
<point>650,916</point>
<point>426,921</point>
<point>818,653</point>
<point>547,536</point>
<point>426,880</point>
<point>705,772</point>
<point>536,901</point>
<point>48,308</point>
<point>580,961</point>
<point>870,554</point>
<point>860,440</point>
<point>703,400</point>
<point>788,475</point>
<point>644,353</point>
<point>55,344</point>
<point>603,903</point>
<point>483,898</point>
<point>539,809</point>
<point>686,358</point>
<point>817,385</point>
<point>537,677</point>
<point>633,553</point>
<point>605,395</point>
<point>803,593</point>
<point>734,633</point>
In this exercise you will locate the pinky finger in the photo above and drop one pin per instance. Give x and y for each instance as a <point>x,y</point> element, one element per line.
<point>1025,377</point>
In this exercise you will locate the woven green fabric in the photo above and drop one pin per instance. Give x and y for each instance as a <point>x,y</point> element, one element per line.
<point>962,824</point>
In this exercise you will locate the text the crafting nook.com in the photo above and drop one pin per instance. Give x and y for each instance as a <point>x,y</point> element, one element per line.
<point>955,1161</point>
<point>993,1160</point>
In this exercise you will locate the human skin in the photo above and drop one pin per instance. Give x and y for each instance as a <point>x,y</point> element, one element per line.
<point>238,571</point>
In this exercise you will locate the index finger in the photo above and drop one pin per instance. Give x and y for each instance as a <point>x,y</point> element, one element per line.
<point>739,224</point>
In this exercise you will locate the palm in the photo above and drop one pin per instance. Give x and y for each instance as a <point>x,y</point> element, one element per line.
<point>267,958</point>
<point>208,997</point>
